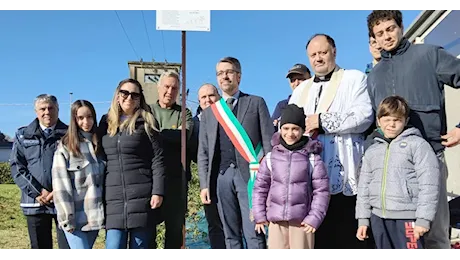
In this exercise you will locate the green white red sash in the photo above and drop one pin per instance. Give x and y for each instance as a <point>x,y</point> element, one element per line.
<point>240,140</point>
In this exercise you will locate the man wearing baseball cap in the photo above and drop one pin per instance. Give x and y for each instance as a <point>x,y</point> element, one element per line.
<point>296,75</point>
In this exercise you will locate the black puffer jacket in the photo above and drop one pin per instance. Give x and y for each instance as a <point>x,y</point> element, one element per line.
<point>135,172</point>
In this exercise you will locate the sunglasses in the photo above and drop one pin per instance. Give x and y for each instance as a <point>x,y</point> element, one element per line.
<point>125,94</point>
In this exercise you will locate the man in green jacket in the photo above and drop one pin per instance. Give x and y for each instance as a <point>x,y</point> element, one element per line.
<point>169,118</point>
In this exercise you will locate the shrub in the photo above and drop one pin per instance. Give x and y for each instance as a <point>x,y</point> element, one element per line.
<point>5,174</point>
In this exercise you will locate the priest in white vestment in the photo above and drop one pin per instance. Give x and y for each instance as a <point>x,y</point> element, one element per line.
<point>338,111</point>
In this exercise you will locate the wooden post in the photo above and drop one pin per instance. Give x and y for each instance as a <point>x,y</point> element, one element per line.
<point>187,20</point>
<point>183,132</point>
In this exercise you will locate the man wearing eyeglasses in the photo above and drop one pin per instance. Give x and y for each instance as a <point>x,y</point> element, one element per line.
<point>296,75</point>
<point>374,49</point>
<point>234,132</point>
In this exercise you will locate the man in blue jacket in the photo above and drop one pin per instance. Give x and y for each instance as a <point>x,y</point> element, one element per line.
<point>296,75</point>
<point>418,73</point>
<point>31,162</point>
<point>374,49</point>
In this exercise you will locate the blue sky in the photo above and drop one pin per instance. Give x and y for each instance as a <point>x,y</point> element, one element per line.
<point>86,52</point>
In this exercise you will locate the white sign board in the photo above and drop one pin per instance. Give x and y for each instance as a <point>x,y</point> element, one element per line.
<point>183,20</point>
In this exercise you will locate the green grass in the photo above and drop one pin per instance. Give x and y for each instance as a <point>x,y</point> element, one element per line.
<point>13,225</point>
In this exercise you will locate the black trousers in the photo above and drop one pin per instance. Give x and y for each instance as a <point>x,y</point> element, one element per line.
<point>215,228</point>
<point>174,210</point>
<point>39,227</point>
<point>395,233</point>
<point>338,230</point>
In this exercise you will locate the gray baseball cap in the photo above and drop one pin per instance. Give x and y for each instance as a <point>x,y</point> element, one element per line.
<point>298,69</point>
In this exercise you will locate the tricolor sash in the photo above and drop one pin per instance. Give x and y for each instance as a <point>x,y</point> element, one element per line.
<point>329,94</point>
<point>240,140</point>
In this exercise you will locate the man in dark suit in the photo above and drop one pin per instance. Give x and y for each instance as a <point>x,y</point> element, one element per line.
<point>237,123</point>
<point>207,95</point>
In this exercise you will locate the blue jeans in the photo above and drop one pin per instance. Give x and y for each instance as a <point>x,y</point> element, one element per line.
<point>81,239</point>
<point>139,238</point>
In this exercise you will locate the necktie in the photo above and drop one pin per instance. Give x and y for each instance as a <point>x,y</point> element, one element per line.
<point>47,132</point>
<point>230,102</point>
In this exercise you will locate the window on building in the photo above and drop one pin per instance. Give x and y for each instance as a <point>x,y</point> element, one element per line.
<point>447,33</point>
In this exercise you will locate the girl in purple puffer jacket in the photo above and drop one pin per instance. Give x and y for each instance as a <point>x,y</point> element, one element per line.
<point>291,192</point>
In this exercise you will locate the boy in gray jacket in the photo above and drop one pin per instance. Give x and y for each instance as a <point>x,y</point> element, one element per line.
<point>398,187</point>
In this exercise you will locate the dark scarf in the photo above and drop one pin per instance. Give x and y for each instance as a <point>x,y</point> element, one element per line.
<point>296,146</point>
<point>87,135</point>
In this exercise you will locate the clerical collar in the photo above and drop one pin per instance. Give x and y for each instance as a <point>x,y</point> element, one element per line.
<point>325,78</point>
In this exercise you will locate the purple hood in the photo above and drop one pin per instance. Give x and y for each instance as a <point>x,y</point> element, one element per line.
<point>312,146</point>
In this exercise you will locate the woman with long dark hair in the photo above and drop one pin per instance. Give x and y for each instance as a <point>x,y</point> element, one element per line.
<point>78,178</point>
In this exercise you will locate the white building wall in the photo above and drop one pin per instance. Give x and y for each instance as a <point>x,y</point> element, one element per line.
<point>4,154</point>
<point>441,32</point>
<point>453,154</point>
<point>445,30</point>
